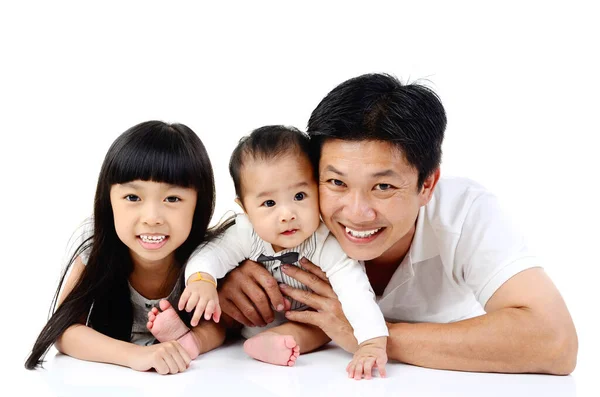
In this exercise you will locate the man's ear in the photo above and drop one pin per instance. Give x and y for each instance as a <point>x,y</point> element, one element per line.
<point>239,202</point>
<point>429,186</point>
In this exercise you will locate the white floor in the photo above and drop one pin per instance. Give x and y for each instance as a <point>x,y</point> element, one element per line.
<point>229,372</point>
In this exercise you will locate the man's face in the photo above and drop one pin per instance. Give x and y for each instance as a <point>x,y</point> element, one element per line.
<point>280,197</point>
<point>369,198</point>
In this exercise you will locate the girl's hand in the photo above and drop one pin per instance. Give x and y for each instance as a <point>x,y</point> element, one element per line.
<point>328,315</point>
<point>165,358</point>
<point>371,354</point>
<point>202,297</point>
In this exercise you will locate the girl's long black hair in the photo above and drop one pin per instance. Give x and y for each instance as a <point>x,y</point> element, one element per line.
<point>150,151</point>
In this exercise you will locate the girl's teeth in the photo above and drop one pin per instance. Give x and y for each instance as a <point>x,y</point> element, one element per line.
<point>152,239</point>
<point>361,234</point>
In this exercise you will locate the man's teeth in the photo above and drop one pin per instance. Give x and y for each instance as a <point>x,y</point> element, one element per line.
<point>152,239</point>
<point>362,233</point>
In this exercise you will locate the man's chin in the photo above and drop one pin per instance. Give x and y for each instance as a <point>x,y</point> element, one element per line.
<point>360,252</point>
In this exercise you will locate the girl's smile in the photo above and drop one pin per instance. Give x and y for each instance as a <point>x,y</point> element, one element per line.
<point>152,242</point>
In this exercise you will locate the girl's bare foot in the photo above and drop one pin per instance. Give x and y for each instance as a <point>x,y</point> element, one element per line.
<point>273,348</point>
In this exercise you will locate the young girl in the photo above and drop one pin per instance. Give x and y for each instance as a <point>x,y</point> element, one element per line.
<point>154,200</point>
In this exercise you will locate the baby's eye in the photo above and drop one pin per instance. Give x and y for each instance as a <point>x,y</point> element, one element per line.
<point>336,182</point>
<point>300,196</point>
<point>269,203</point>
<point>383,186</point>
<point>172,199</point>
<point>132,197</point>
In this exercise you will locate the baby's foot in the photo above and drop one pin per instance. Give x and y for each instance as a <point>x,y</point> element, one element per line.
<point>166,325</point>
<point>273,348</point>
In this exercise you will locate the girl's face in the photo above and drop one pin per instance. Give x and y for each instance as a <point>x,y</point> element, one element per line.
<point>152,219</point>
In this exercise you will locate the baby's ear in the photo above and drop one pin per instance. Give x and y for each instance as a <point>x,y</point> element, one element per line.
<point>239,202</point>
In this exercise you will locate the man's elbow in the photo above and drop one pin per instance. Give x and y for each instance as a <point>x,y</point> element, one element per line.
<point>563,352</point>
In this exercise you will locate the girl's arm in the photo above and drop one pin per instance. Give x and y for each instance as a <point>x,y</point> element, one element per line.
<point>85,343</point>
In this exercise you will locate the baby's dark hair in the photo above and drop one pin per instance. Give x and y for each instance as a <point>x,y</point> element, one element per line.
<point>266,143</point>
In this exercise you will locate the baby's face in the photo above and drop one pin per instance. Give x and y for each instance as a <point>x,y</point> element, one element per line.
<point>280,197</point>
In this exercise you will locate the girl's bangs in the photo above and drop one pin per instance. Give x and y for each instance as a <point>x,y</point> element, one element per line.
<point>157,159</point>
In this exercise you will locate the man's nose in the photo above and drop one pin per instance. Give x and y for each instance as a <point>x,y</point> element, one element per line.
<point>359,208</point>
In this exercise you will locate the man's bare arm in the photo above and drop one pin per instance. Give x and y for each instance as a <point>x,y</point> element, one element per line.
<point>527,329</point>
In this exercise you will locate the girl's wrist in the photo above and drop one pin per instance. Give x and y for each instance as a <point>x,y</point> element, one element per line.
<point>130,353</point>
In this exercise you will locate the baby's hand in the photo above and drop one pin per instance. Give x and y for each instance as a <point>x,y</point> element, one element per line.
<point>203,296</point>
<point>370,354</point>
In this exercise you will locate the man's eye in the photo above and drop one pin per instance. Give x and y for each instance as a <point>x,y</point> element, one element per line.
<point>336,182</point>
<point>269,203</point>
<point>300,196</point>
<point>383,186</point>
<point>172,199</point>
<point>132,197</point>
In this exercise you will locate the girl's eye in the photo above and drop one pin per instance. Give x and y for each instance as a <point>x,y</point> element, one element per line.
<point>383,186</point>
<point>300,196</point>
<point>269,203</point>
<point>336,182</point>
<point>132,197</point>
<point>172,199</point>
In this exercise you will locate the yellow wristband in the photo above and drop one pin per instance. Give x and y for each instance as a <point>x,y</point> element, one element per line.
<point>200,278</point>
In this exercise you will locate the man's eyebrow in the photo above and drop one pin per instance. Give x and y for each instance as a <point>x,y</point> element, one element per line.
<point>331,168</point>
<point>389,172</point>
<point>379,174</point>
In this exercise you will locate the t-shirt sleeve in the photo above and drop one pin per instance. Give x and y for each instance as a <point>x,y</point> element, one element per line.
<point>80,243</point>
<point>490,249</point>
<point>224,252</point>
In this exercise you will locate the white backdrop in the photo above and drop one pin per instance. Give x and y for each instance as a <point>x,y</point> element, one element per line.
<point>519,81</point>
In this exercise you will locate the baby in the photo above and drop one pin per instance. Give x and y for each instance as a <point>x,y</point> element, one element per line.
<point>276,187</point>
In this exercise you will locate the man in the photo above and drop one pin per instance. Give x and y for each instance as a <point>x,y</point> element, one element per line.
<point>454,279</point>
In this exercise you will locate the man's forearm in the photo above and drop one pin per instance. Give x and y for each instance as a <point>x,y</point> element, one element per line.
<point>509,340</point>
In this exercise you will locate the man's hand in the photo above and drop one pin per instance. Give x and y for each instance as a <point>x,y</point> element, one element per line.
<point>201,296</point>
<point>328,315</point>
<point>247,294</point>
<point>371,354</point>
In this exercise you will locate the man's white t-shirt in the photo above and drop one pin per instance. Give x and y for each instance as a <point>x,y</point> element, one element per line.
<point>465,247</point>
